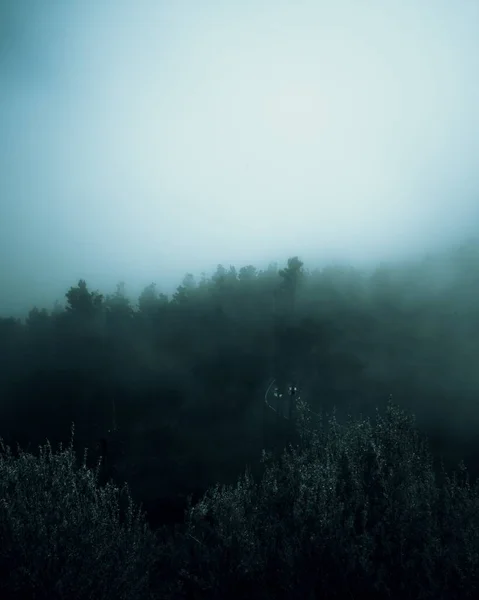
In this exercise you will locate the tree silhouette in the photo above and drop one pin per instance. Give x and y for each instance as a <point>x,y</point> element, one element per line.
<point>81,301</point>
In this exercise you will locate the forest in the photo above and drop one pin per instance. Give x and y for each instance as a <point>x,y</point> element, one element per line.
<point>282,433</point>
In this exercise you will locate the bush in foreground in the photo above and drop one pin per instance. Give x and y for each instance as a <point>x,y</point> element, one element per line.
<point>354,511</point>
<point>64,536</point>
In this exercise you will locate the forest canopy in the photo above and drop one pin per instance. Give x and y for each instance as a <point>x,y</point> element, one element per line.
<point>183,376</point>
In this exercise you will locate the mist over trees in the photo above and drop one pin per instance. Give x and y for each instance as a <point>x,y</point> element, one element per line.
<point>170,391</point>
<point>194,366</point>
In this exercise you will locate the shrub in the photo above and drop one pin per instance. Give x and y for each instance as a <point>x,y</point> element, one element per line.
<point>64,536</point>
<point>354,510</point>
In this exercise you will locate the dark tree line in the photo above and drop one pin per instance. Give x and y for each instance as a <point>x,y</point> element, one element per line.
<point>174,385</point>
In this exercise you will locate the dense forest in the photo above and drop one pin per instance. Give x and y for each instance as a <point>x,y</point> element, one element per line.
<point>178,395</point>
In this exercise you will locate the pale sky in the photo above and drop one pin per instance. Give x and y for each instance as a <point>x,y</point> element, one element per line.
<point>143,139</point>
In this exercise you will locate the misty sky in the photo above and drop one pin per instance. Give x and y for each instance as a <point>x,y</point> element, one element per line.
<point>141,139</point>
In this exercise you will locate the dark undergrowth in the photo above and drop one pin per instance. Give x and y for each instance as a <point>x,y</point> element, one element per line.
<point>354,510</point>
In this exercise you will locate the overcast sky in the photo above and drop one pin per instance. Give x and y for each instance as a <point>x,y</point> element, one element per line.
<point>143,139</point>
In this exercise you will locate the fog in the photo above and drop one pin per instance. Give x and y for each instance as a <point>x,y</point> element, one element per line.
<point>140,140</point>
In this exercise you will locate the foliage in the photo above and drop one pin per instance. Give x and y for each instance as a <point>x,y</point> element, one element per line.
<point>179,380</point>
<point>355,511</point>
<point>64,536</point>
